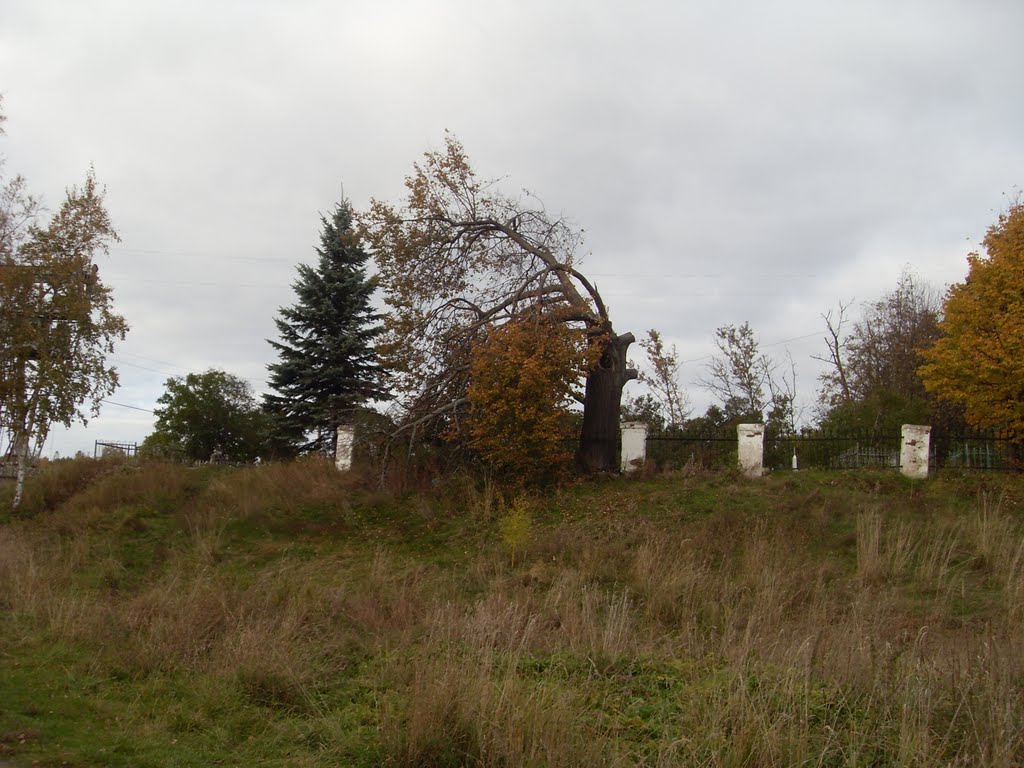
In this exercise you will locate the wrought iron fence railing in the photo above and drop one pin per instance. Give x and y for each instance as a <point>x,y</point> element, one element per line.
<point>832,451</point>
<point>675,450</point>
<point>984,451</point>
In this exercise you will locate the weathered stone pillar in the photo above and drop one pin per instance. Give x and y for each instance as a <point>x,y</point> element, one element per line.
<point>915,450</point>
<point>634,445</point>
<point>751,449</point>
<point>343,451</point>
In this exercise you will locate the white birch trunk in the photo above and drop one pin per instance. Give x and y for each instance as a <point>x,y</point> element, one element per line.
<point>21,456</point>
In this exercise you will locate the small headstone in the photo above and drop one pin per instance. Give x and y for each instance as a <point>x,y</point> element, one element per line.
<point>343,449</point>
<point>915,450</point>
<point>634,445</point>
<point>751,449</point>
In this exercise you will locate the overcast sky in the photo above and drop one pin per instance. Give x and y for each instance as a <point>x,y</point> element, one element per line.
<point>730,161</point>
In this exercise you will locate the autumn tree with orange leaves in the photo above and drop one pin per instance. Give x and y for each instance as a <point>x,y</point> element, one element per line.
<point>978,361</point>
<point>522,381</point>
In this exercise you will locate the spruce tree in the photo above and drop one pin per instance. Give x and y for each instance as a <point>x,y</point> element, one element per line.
<point>327,366</point>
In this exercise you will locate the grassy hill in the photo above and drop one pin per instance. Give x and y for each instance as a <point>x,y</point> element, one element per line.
<point>285,615</point>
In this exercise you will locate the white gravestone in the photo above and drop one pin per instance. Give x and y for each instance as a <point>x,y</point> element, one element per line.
<point>343,451</point>
<point>751,449</point>
<point>634,445</point>
<point>914,451</point>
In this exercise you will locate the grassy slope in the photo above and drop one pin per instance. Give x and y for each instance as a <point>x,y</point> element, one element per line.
<point>281,615</point>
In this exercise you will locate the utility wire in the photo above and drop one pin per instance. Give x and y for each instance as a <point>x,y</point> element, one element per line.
<point>199,254</point>
<point>144,367</point>
<point>150,359</point>
<point>122,405</point>
<point>254,383</point>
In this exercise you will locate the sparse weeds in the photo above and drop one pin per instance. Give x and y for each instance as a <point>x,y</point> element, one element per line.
<point>869,547</point>
<point>277,487</point>
<point>55,483</point>
<point>516,526</point>
<point>475,707</point>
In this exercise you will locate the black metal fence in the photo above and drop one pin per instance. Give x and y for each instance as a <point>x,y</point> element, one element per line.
<point>667,451</point>
<point>984,451</point>
<point>824,451</point>
<point>674,450</point>
<point>981,451</point>
<point>113,448</point>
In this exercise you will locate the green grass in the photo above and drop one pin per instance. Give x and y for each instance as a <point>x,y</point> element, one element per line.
<point>286,615</point>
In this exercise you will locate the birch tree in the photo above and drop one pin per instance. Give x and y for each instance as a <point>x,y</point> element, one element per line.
<point>57,323</point>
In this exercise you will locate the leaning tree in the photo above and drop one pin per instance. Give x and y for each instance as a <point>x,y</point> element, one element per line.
<point>456,258</point>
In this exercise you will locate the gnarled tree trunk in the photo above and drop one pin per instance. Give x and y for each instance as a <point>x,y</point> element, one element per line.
<point>599,437</point>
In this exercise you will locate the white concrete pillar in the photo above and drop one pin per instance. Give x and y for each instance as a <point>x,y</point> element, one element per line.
<point>634,445</point>
<point>343,451</point>
<point>914,451</point>
<point>751,449</point>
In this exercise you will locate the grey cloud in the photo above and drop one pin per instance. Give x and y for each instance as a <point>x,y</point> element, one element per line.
<point>738,160</point>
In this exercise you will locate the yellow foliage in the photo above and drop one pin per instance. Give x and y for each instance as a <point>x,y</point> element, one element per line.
<point>979,360</point>
<point>516,527</point>
<point>522,377</point>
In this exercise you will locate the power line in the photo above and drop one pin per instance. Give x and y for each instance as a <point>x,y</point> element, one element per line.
<point>144,367</point>
<point>199,254</point>
<point>254,383</point>
<point>120,278</point>
<point>122,405</point>
<point>795,338</point>
<point>699,275</point>
<point>150,359</point>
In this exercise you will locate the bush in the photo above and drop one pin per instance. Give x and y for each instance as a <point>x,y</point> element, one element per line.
<point>522,380</point>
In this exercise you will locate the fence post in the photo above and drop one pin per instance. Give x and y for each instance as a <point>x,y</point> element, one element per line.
<point>914,451</point>
<point>751,449</point>
<point>634,445</point>
<point>343,450</point>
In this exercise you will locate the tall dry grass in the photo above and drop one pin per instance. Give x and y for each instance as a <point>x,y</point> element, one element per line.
<point>798,663</point>
<point>723,639</point>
